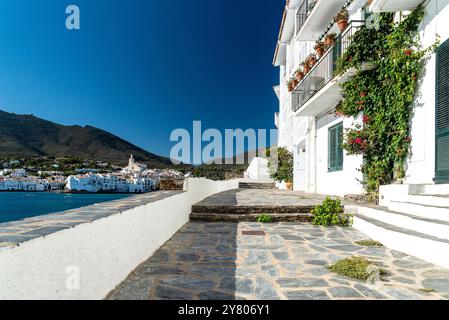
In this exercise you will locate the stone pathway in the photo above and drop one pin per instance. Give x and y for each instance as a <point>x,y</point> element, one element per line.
<point>220,261</point>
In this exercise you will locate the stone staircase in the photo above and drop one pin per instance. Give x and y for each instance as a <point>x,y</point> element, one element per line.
<point>411,219</point>
<point>256,185</point>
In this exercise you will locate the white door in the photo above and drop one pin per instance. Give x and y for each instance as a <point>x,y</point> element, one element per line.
<point>299,169</point>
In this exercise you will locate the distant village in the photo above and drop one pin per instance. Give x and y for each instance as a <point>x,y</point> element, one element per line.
<point>85,177</point>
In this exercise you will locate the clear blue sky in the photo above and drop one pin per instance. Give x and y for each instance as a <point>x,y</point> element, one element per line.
<point>141,68</point>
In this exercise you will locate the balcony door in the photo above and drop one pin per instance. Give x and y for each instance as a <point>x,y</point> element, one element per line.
<point>442,114</point>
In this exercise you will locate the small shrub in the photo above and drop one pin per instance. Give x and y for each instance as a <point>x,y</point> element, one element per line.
<point>330,213</point>
<point>264,218</point>
<point>369,243</point>
<point>354,267</point>
<point>427,290</point>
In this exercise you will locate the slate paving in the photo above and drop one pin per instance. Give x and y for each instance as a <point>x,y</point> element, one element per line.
<point>209,261</point>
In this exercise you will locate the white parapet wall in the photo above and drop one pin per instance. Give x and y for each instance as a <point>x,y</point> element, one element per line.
<point>258,169</point>
<point>99,254</point>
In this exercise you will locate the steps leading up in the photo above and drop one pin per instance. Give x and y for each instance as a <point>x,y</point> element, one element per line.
<point>413,219</point>
<point>252,217</point>
<point>257,185</point>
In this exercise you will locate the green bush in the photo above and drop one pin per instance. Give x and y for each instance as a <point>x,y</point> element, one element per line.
<point>354,267</point>
<point>330,213</point>
<point>280,167</point>
<point>369,243</point>
<point>264,218</point>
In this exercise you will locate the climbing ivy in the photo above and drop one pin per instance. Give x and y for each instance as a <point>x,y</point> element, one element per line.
<point>383,96</point>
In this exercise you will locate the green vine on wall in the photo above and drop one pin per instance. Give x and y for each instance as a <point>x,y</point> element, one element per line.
<point>383,96</point>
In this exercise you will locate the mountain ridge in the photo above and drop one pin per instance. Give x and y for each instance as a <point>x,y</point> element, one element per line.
<point>30,136</point>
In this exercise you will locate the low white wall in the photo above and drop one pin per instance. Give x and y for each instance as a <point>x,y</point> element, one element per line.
<point>104,251</point>
<point>258,169</point>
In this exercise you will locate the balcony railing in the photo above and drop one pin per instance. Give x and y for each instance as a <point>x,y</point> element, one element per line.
<point>303,13</point>
<point>323,71</point>
<point>276,119</point>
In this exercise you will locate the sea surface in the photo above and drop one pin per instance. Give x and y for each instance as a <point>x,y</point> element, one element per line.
<point>20,205</point>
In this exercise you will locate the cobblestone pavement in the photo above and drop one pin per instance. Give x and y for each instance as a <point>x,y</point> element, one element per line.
<point>217,261</point>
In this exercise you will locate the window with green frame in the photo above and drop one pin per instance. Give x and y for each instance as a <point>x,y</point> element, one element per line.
<point>335,158</point>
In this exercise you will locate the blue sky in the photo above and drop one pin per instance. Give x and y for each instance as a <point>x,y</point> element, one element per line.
<point>141,68</point>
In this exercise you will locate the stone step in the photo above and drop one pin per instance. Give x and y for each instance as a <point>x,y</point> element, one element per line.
<point>423,246</point>
<point>254,209</point>
<point>427,200</point>
<point>223,217</point>
<point>424,211</point>
<point>256,185</point>
<point>435,228</point>
<point>428,189</point>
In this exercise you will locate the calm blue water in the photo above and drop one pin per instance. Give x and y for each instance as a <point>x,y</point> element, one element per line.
<point>20,205</point>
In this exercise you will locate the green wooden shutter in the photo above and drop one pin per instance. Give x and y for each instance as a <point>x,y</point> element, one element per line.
<point>442,114</point>
<point>335,153</point>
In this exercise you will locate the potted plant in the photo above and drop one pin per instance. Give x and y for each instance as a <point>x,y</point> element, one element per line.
<point>311,60</point>
<point>320,47</point>
<point>305,67</point>
<point>329,40</point>
<point>290,85</point>
<point>342,19</point>
<point>299,74</point>
<point>289,185</point>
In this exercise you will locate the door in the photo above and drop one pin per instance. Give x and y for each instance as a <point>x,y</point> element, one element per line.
<point>442,114</point>
<point>299,169</point>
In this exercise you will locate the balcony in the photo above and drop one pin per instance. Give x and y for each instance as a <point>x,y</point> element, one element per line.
<point>319,90</point>
<point>393,5</point>
<point>276,119</point>
<point>313,17</point>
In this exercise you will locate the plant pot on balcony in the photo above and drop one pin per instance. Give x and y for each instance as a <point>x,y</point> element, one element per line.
<point>299,76</point>
<point>329,40</point>
<point>312,62</point>
<point>342,25</point>
<point>319,52</point>
<point>306,68</point>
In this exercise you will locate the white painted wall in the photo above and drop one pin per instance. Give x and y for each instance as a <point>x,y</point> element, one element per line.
<point>105,251</point>
<point>258,169</point>
<point>421,166</point>
<point>337,183</point>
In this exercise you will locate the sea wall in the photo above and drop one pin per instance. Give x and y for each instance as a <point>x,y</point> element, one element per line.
<point>89,259</point>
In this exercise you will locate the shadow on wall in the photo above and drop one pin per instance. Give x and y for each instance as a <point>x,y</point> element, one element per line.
<point>199,262</point>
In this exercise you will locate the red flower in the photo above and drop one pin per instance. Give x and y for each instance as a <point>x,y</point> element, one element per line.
<point>360,103</point>
<point>358,140</point>
<point>408,139</point>
<point>365,119</point>
<point>349,58</point>
<point>408,52</point>
<point>363,94</point>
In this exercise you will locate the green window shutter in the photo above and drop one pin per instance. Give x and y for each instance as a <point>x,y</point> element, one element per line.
<point>335,153</point>
<point>442,114</point>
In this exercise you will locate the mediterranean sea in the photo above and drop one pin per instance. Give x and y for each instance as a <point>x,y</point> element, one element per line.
<point>20,205</point>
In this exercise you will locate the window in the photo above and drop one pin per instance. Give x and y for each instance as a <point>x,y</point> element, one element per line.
<point>335,158</point>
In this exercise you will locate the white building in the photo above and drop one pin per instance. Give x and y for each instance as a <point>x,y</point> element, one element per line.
<point>418,208</point>
<point>306,120</point>
<point>134,167</point>
<point>109,183</point>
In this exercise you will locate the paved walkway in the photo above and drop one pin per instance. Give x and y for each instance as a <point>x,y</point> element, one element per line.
<point>217,261</point>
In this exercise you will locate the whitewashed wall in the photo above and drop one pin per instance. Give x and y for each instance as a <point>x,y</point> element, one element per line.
<point>105,251</point>
<point>421,166</point>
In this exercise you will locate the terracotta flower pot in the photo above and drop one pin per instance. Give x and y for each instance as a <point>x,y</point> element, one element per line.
<point>306,68</point>
<point>289,185</point>
<point>312,62</point>
<point>319,52</point>
<point>299,76</point>
<point>342,25</point>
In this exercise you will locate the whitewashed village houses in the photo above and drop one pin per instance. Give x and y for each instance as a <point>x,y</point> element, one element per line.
<point>311,129</point>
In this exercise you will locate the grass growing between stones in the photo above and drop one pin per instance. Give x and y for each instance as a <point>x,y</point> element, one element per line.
<point>427,290</point>
<point>369,243</point>
<point>264,218</point>
<point>357,268</point>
